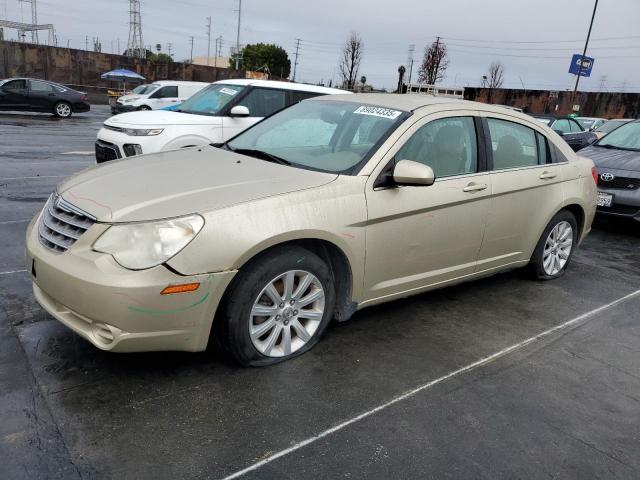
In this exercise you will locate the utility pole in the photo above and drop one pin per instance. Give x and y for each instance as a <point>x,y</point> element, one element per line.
<point>412,49</point>
<point>238,36</point>
<point>586,44</point>
<point>217,51</point>
<point>86,42</point>
<point>295,63</point>
<point>603,80</point>
<point>169,47</point>
<point>208,39</point>
<point>191,56</point>
<point>437,59</point>
<point>135,45</point>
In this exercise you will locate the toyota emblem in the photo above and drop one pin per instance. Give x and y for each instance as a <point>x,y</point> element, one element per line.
<point>607,177</point>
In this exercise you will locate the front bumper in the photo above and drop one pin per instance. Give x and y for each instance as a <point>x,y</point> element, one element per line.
<point>117,309</point>
<point>626,203</point>
<point>122,108</point>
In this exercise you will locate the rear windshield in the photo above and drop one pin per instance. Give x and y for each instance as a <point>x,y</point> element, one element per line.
<point>610,126</point>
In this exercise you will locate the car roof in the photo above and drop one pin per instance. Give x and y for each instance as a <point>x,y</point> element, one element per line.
<point>177,82</point>
<point>553,117</point>
<point>589,118</point>
<point>413,101</point>
<point>301,87</point>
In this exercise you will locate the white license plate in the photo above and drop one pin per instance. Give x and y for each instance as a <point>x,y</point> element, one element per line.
<point>604,199</point>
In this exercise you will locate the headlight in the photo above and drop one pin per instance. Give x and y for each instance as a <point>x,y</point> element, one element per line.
<point>142,132</point>
<point>138,246</point>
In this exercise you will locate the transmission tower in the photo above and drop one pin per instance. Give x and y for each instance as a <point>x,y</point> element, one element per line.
<point>135,46</point>
<point>34,19</point>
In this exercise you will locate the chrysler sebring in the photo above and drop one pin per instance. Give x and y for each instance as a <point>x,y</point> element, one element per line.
<point>332,205</point>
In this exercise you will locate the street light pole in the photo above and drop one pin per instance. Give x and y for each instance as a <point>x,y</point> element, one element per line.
<point>586,44</point>
<point>238,36</point>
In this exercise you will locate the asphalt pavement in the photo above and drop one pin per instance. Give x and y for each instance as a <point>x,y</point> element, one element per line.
<point>498,378</point>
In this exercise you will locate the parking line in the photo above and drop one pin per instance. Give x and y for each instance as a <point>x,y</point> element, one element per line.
<point>411,393</point>
<point>12,271</point>
<point>29,178</point>
<point>6,222</point>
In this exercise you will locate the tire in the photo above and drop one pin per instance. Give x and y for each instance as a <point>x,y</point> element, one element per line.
<point>62,110</point>
<point>555,248</point>
<point>248,295</point>
<point>144,108</point>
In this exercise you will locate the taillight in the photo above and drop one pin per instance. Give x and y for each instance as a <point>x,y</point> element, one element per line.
<point>594,174</point>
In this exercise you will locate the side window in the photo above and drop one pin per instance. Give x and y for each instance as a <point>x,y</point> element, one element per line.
<point>15,85</point>
<point>513,145</point>
<point>166,92</point>
<point>262,102</point>
<point>297,97</point>
<point>544,154</point>
<point>38,86</point>
<point>575,126</point>
<point>448,145</point>
<point>562,125</point>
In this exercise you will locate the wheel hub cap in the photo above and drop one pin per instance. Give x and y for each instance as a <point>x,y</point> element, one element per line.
<point>557,248</point>
<point>286,313</point>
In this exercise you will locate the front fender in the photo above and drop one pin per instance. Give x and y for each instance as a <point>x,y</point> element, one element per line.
<point>191,141</point>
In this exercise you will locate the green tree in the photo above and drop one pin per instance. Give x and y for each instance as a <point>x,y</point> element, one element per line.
<point>264,57</point>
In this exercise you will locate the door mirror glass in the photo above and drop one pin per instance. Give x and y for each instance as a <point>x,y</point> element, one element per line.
<point>408,172</point>
<point>239,111</point>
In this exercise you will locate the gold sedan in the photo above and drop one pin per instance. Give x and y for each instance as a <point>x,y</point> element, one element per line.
<point>327,207</point>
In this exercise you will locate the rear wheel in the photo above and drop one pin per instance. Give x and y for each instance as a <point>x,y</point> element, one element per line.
<point>144,107</point>
<point>278,307</point>
<point>62,110</point>
<point>555,247</point>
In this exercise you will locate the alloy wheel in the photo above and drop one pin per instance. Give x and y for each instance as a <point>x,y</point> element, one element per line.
<point>557,248</point>
<point>63,109</point>
<point>287,313</point>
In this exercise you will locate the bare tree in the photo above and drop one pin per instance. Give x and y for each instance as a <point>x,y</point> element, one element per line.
<point>495,77</point>
<point>350,60</point>
<point>434,63</point>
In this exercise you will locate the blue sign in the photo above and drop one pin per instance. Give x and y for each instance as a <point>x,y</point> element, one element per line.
<point>587,65</point>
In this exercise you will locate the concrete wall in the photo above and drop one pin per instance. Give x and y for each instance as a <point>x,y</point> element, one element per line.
<point>592,104</point>
<point>81,69</point>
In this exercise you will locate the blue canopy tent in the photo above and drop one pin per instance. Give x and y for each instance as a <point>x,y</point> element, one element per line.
<point>122,75</point>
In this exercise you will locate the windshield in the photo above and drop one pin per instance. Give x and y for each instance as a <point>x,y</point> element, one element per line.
<point>140,89</point>
<point>610,125</point>
<point>211,100</point>
<point>328,136</point>
<point>627,137</point>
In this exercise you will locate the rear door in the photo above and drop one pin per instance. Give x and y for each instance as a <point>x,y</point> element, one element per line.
<point>261,103</point>
<point>527,190</point>
<point>14,95</point>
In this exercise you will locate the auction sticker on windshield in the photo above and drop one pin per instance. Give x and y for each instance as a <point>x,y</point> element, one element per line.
<point>228,91</point>
<point>378,112</point>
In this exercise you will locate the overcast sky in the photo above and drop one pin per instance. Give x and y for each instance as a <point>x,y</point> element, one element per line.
<point>534,39</point>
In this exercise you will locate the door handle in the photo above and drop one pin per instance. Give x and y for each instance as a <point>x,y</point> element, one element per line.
<point>475,187</point>
<point>547,175</point>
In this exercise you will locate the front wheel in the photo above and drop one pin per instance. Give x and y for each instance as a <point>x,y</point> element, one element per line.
<point>555,247</point>
<point>144,107</point>
<point>278,308</point>
<point>62,110</point>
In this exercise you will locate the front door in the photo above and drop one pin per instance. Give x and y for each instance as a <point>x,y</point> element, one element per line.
<point>14,94</point>
<point>42,96</point>
<point>426,235</point>
<point>261,103</point>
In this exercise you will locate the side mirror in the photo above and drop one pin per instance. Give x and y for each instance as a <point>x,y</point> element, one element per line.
<point>239,111</point>
<point>408,172</point>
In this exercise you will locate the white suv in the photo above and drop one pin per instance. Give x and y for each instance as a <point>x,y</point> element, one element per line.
<point>213,115</point>
<point>158,95</point>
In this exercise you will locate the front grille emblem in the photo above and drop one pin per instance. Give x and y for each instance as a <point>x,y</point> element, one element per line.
<point>607,177</point>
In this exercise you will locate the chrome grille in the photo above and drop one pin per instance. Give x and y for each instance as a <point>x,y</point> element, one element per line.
<point>62,224</point>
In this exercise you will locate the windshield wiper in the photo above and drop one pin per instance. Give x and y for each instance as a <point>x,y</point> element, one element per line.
<point>261,155</point>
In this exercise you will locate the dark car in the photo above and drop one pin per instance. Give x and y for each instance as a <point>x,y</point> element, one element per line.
<point>617,158</point>
<point>33,95</point>
<point>570,130</point>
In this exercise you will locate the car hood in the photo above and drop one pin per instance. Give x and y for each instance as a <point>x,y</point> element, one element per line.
<point>171,184</point>
<point>612,158</point>
<point>160,117</point>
